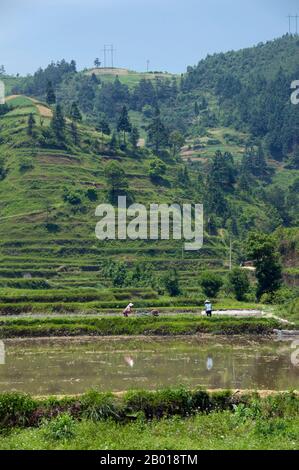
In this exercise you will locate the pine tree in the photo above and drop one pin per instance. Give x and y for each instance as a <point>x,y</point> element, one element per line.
<point>157,132</point>
<point>196,109</point>
<point>176,140</point>
<point>260,164</point>
<point>104,127</point>
<point>97,63</point>
<point>293,162</point>
<point>58,125</point>
<point>253,165</point>
<point>124,124</point>
<point>116,181</point>
<point>75,113</point>
<point>134,137</point>
<point>113,142</point>
<point>74,132</point>
<point>222,171</point>
<point>31,125</point>
<point>50,94</point>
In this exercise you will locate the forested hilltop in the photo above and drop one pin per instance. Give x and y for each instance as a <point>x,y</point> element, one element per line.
<point>225,133</point>
<point>247,89</point>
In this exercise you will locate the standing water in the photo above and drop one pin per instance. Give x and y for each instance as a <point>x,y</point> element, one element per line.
<point>71,366</point>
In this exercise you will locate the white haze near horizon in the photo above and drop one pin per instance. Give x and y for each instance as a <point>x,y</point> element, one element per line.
<point>170,33</point>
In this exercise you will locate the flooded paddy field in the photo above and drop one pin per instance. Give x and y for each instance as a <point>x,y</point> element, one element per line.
<point>74,365</point>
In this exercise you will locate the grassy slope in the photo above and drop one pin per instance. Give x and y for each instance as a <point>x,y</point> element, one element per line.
<point>183,420</point>
<point>203,432</point>
<point>33,197</point>
<point>40,232</point>
<point>127,77</point>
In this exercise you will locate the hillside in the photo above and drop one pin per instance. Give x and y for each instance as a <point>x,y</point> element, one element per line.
<point>126,76</point>
<point>50,258</point>
<point>52,181</point>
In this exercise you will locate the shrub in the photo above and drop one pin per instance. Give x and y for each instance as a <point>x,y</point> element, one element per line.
<point>243,411</point>
<point>279,405</point>
<point>73,197</point>
<point>211,284</point>
<point>26,165</point>
<point>15,409</point>
<point>239,283</point>
<point>270,427</point>
<point>201,400</point>
<point>4,109</point>
<point>3,170</point>
<point>281,296</point>
<point>91,194</point>
<point>221,400</point>
<point>157,169</point>
<point>60,428</point>
<point>52,227</point>
<point>171,283</point>
<point>161,403</point>
<point>97,406</point>
<point>57,416</point>
<point>117,182</point>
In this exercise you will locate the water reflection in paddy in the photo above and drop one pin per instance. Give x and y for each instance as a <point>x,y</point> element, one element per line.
<point>60,366</point>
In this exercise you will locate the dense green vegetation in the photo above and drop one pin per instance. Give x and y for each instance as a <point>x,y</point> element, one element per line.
<point>224,134</point>
<point>100,136</point>
<point>163,326</point>
<point>166,419</point>
<point>207,432</point>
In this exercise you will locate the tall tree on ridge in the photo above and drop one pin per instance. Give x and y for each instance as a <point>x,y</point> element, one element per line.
<point>58,125</point>
<point>75,112</point>
<point>50,94</point>
<point>124,124</point>
<point>31,125</point>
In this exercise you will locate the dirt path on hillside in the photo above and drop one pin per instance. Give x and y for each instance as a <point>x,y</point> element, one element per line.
<point>11,97</point>
<point>43,110</point>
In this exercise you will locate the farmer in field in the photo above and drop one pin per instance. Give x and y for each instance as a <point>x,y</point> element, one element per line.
<point>128,310</point>
<point>208,308</point>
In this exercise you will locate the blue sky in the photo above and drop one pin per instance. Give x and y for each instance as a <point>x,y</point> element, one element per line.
<point>170,33</point>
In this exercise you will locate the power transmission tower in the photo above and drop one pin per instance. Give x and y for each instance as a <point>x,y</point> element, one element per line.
<point>293,17</point>
<point>109,50</point>
<point>105,52</point>
<point>289,17</point>
<point>112,50</point>
<point>147,65</point>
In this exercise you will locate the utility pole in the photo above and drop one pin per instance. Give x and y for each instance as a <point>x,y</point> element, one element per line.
<point>230,253</point>
<point>147,65</point>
